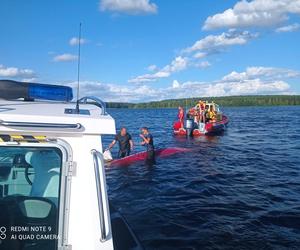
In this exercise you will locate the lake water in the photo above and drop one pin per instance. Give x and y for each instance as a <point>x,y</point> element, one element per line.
<point>240,190</point>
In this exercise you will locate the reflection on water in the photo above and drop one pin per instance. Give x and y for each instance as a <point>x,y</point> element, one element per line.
<point>240,190</point>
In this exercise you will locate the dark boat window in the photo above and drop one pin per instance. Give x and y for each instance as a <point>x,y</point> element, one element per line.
<point>29,197</point>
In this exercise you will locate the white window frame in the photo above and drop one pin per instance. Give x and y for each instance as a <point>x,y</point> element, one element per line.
<point>65,183</point>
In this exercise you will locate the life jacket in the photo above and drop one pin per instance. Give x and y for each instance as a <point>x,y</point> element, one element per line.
<point>192,112</point>
<point>210,114</point>
<point>202,106</point>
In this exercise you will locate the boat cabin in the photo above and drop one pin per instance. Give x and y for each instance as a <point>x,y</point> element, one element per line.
<point>53,192</point>
<point>214,105</point>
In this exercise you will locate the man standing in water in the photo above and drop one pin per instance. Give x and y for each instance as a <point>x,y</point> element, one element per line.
<point>125,143</point>
<point>147,141</point>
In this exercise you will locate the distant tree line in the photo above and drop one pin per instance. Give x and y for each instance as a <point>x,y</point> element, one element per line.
<point>266,100</point>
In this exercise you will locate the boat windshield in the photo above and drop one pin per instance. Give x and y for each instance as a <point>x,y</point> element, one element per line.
<point>29,197</point>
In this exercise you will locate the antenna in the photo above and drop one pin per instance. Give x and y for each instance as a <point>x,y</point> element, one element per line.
<point>78,70</point>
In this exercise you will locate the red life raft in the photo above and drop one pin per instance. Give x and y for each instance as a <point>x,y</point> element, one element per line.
<point>211,128</point>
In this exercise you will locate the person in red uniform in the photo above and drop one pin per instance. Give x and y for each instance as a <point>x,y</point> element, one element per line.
<point>181,116</point>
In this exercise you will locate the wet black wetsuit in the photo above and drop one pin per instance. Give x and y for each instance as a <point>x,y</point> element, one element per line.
<point>150,150</point>
<point>124,144</point>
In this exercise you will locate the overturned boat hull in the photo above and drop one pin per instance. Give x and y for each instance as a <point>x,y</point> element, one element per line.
<point>142,156</point>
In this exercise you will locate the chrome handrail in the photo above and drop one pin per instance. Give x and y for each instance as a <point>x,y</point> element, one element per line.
<point>96,100</point>
<point>40,125</point>
<point>96,156</point>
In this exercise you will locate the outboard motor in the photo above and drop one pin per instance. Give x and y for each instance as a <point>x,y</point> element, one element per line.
<point>202,126</point>
<point>189,126</point>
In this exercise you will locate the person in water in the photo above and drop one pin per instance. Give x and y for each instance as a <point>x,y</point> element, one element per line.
<point>181,116</point>
<point>125,143</point>
<point>147,141</point>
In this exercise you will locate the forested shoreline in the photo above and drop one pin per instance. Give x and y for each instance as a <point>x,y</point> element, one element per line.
<point>231,101</point>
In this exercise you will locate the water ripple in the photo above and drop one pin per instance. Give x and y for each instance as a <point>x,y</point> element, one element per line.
<point>240,190</point>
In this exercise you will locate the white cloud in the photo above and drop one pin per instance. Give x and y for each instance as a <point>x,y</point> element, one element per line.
<point>254,80</point>
<point>221,88</point>
<point>178,64</point>
<point>288,28</point>
<point>115,93</point>
<point>75,41</point>
<point>202,65</point>
<point>152,67</point>
<point>217,43</point>
<point>33,79</point>
<point>16,72</point>
<point>257,86</point>
<point>268,73</point>
<point>175,84</point>
<point>65,58</point>
<point>149,77</point>
<point>202,48</point>
<point>134,7</point>
<point>200,55</point>
<point>256,13</point>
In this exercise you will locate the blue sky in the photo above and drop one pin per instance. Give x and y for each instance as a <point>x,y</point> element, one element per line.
<point>141,50</point>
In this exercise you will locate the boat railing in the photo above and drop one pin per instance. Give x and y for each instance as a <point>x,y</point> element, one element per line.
<point>96,156</point>
<point>96,101</point>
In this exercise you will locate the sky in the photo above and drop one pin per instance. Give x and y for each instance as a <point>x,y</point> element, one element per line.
<point>145,50</point>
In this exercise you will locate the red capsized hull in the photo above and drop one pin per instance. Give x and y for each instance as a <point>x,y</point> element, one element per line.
<point>141,156</point>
